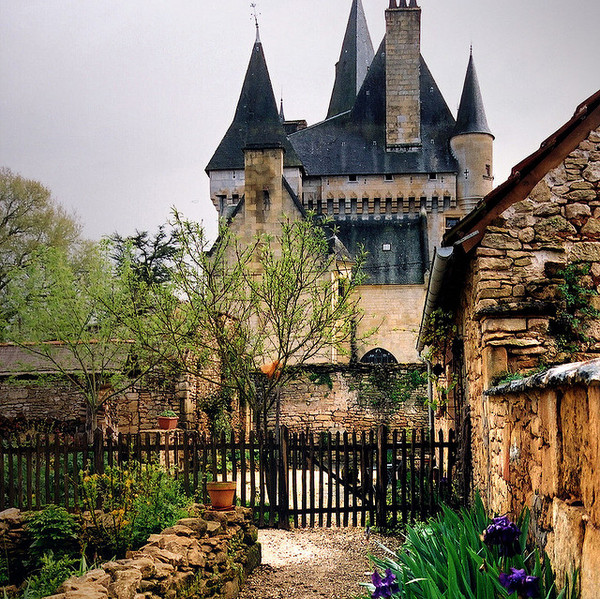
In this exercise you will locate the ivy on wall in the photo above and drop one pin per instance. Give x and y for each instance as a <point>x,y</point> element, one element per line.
<point>575,311</point>
<point>388,389</point>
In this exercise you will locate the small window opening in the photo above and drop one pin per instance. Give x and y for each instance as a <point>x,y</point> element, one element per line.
<point>386,247</point>
<point>352,178</point>
<point>432,176</point>
<point>378,356</point>
<point>266,200</point>
<point>388,177</point>
<point>451,222</point>
<point>488,170</point>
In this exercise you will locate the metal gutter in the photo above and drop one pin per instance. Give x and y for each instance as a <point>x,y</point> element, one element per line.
<point>441,260</point>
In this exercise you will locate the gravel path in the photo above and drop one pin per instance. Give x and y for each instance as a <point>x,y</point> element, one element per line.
<point>308,563</point>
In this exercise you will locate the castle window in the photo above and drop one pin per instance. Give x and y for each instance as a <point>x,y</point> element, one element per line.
<point>352,178</point>
<point>451,222</point>
<point>266,200</point>
<point>378,356</point>
<point>432,176</point>
<point>386,247</point>
<point>233,174</point>
<point>388,177</point>
<point>488,170</point>
<point>235,198</point>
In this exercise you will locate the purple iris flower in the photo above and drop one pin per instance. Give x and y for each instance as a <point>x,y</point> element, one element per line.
<point>505,534</point>
<point>519,582</point>
<point>384,587</point>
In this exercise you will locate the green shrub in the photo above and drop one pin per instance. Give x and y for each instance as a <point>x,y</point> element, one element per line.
<point>448,558</point>
<point>4,571</point>
<point>53,529</point>
<point>53,573</point>
<point>135,500</point>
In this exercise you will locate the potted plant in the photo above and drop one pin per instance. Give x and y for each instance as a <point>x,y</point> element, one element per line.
<point>167,420</point>
<point>221,494</point>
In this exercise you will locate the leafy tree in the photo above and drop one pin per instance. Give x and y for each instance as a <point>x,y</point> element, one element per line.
<point>70,313</point>
<point>245,316</point>
<point>29,219</point>
<point>148,257</point>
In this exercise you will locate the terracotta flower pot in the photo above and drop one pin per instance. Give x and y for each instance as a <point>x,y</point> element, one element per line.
<point>221,494</point>
<point>167,422</point>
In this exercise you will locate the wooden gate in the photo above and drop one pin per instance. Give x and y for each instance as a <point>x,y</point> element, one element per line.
<point>302,479</point>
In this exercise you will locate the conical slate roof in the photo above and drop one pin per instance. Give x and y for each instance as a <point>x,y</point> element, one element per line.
<point>354,142</point>
<point>256,122</point>
<point>471,114</point>
<point>355,58</point>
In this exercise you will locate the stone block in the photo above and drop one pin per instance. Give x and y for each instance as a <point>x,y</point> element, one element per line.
<point>541,192</point>
<point>577,211</point>
<point>591,228</point>
<point>504,324</point>
<point>592,172</point>
<point>495,263</point>
<point>582,195</point>
<point>585,251</point>
<point>569,531</point>
<point>500,241</point>
<point>590,563</point>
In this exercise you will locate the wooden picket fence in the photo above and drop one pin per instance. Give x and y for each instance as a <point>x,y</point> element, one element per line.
<point>379,477</point>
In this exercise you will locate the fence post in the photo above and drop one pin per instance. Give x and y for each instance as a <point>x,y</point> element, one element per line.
<point>381,483</point>
<point>283,499</point>
<point>98,451</point>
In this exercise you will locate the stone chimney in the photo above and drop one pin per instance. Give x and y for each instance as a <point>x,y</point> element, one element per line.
<point>403,94</point>
<point>263,204</point>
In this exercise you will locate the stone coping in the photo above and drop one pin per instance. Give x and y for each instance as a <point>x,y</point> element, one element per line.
<point>574,373</point>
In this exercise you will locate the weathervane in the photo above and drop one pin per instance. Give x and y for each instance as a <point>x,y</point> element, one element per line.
<point>255,14</point>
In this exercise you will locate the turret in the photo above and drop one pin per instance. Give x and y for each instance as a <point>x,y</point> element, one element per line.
<point>256,124</point>
<point>472,144</point>
<point>403,93</point>
<point>355,58</point>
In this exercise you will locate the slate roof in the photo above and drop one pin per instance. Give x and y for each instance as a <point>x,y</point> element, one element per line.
<point>406,260</point>
<point>354,142</point>
<point>471,114</point>
<point>15,360</point>
<point>355,58</point>
<point>256,122</point>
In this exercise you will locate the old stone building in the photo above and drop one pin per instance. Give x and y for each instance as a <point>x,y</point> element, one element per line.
<point>515,289</point>
<point>390,165</point>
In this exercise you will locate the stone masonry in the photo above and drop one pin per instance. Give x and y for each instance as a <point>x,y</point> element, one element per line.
<point>352,399</point>
<point>207,557</point>
<point>543,451</point>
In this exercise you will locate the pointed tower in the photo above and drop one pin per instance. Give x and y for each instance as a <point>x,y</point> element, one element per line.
<point>472,143</point>
<point>256,126</point>
<point>355,58</point>
<point>403,75</point>
<point>256,120</point>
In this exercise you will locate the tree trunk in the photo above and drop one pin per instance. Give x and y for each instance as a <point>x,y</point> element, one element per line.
<point>91,422</point>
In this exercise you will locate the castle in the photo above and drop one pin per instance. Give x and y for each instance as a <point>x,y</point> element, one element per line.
<point>390,165</point>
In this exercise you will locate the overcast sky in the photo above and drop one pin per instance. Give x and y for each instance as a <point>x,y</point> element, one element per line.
<point>118,105</point>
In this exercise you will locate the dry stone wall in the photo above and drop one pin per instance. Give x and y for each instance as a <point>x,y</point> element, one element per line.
<point>544,453</point>
<point>355,398</point>
<point>520,263</point>
<point>206,557</point>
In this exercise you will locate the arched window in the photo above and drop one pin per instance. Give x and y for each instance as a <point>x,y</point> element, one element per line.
<point>378,356</point>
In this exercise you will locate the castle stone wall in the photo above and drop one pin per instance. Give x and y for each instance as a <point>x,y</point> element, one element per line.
<point>358,398</point>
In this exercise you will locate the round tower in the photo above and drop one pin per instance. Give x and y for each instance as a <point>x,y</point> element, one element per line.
<point>472,144</point>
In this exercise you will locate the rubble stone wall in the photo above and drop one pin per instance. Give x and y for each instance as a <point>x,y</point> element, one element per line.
<point>519,267</point>
<point>544,453</point>
<point>207,557</point>
<point>355,398</point>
